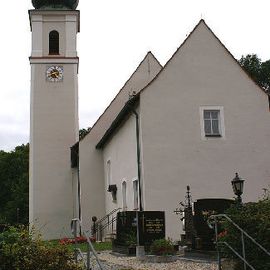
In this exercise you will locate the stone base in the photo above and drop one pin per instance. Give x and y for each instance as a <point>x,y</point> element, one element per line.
<point>158,259</point>
<point>140,252</point>
<point>228,264</point>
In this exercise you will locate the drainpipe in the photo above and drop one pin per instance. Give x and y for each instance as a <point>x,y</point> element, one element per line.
<point>138,155</point>
<point>79,190</point>
<point>139,248</point>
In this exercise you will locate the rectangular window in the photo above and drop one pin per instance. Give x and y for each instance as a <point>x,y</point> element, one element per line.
<point>211,120</point>
<point>109,173</point>
<point>136,194</point>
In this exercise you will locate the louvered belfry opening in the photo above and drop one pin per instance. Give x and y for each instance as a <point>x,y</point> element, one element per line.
<point>54,42</point>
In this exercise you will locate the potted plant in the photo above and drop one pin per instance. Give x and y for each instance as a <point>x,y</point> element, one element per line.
<point>163,251</point>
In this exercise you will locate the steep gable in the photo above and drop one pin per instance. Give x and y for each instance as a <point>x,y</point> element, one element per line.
<point>199,63</point>
<point>145,72</point>
<point>195,51</point>
<point>202,75</point>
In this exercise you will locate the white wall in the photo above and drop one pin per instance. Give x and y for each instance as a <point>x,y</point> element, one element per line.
<point>91,160</point>
<point>202,73</point>
<point>121,151</point>
<point>54,127</point>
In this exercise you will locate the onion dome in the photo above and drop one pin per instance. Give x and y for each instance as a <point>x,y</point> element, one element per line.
<point>55,4</point>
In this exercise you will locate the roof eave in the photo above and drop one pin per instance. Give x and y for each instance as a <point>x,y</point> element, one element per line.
<point>118,120</point>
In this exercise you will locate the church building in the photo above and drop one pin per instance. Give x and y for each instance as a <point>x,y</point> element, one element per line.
<point>196,121</point>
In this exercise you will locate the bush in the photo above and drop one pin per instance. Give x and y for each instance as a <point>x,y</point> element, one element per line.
<point>162,247</point>
<point>254,218</point>
<point>21,249</point>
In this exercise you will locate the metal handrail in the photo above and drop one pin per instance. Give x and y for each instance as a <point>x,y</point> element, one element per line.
<point>108,223</point>
<point>235,252</point>
<point>109,214</point>
<point>99,226</point>
<point>243,233</point>
<point>90,248</point>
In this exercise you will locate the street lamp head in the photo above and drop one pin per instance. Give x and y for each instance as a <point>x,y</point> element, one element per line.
<point>238,186</point>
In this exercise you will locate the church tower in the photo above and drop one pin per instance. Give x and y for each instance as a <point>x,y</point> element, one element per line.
<point>54,114</point>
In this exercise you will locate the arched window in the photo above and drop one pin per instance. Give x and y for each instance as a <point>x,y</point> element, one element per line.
<point>136,194</point>
<point>54,42</point>
<point>124,195</point>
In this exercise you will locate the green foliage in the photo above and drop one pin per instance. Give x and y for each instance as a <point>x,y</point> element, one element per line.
<point>83,132</point>
<point>254,218</point>
<point>130,238</point>
<point>162,247</point>
<point>259,71</point>
<point>14,192</point>
<point>98,246</point>
<point>21,249</point>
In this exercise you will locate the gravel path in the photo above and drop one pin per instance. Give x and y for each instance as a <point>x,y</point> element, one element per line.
<point>111,262</point>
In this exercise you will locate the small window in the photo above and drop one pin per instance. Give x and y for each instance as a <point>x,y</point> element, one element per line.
<point>109,173</point>
<point>54,42</point>
<point>136,194</point>
<point>124,195</point>
<point>211,123</point>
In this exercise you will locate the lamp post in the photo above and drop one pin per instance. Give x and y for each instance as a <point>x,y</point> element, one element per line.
<point>238,186</point>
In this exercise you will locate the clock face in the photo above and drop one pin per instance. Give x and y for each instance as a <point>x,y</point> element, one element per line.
<point>55,73</point>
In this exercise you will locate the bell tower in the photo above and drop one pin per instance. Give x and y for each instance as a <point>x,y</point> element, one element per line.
<point>54,114</point>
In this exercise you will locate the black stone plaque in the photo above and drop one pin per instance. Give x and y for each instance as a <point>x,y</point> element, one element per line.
<point>204,208</point>
<point>151,226</point>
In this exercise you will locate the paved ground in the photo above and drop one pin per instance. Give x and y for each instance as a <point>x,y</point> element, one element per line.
<point>112,262</point>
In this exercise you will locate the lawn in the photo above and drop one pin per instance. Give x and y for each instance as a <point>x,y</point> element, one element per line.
<point>98,246</point>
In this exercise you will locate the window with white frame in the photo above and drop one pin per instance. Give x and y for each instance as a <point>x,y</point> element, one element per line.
<point>136,194</point>
<point>212,121</point>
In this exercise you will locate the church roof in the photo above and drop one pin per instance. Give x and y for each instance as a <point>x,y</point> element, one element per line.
<point>118,120</point>
<point>148,68</point>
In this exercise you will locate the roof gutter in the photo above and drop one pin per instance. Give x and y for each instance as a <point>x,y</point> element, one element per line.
<point>129,106</point>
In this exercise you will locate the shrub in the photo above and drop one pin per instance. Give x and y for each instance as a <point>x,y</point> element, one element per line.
<point>254,218</point>
<point>21,249</point>
<point>78,239</point>
<point>162,247</point>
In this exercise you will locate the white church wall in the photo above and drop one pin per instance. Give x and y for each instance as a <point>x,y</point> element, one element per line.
<point>120,165</point>
<point>175,155</point>
<point>91,160</point>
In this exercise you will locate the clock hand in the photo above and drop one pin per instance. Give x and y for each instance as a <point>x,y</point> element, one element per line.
<point>55,73</point>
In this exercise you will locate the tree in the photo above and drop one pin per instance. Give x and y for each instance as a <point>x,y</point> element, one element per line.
<point>266,75</point>
<point>259,71</point>
<point>254,218</point>
<point>83,132</point>
<point>14,192</point>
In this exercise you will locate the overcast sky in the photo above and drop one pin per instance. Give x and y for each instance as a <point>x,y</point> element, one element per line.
<point>115,36</point>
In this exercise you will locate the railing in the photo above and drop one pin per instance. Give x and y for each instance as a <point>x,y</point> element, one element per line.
<point>106,222</point>
<point>215,219</point>
<point>91,255</point>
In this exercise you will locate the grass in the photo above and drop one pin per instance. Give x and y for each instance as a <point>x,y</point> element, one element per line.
<point>100,246</point>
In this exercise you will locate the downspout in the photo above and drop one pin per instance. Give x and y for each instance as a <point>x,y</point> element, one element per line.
<point>79,189</point>
<point>138,154</point>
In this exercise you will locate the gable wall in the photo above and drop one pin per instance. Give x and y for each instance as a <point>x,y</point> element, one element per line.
<point>91,160</point>
<point>202,73</point>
